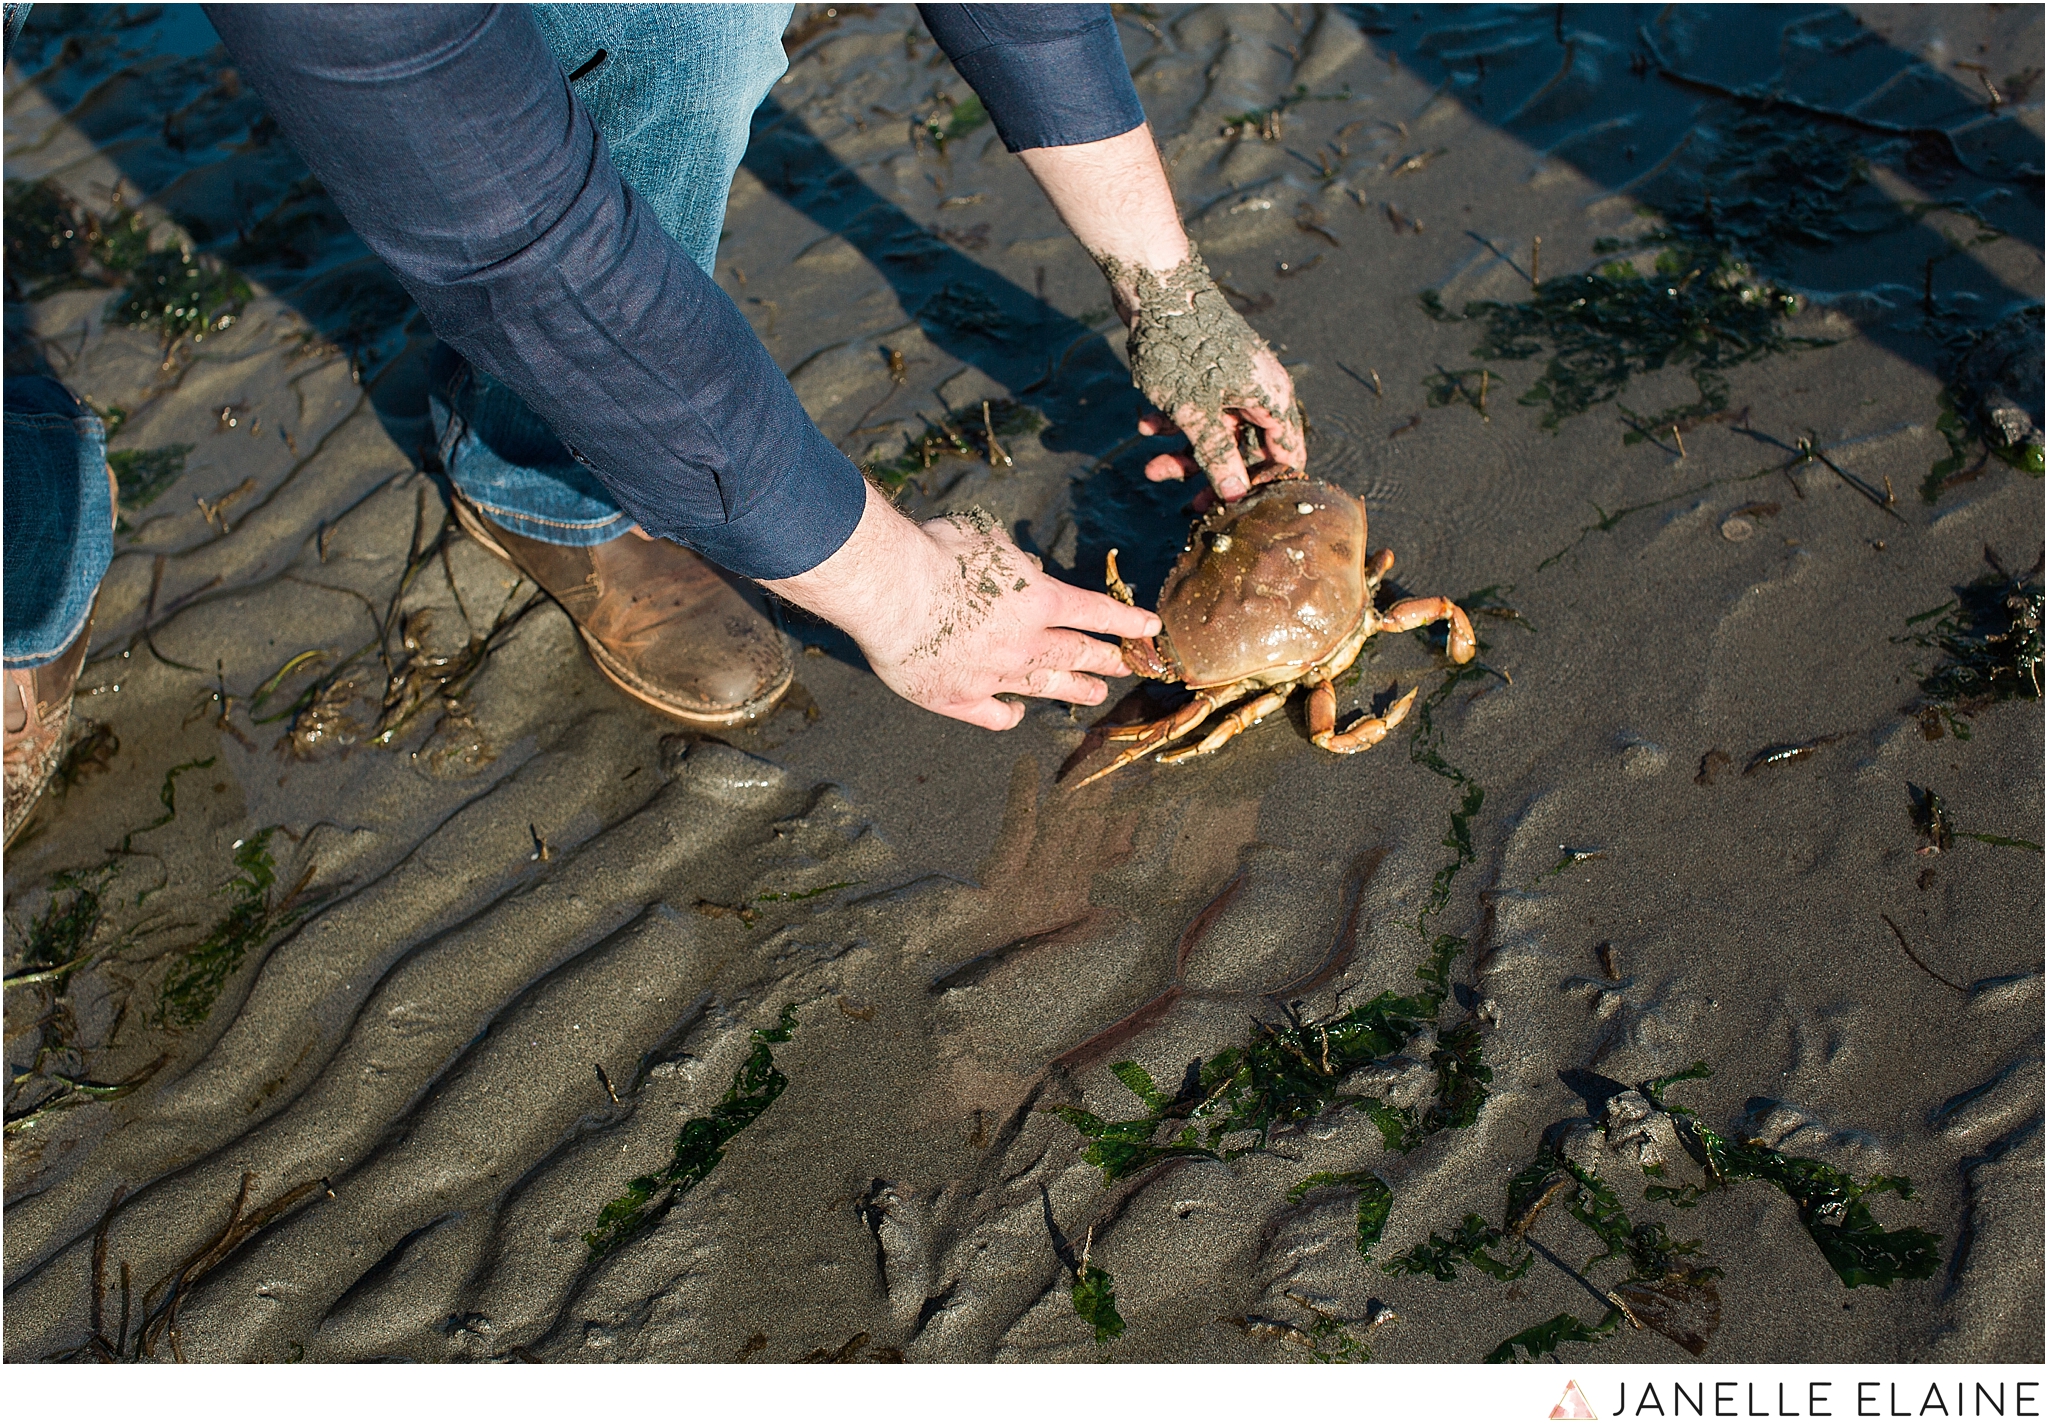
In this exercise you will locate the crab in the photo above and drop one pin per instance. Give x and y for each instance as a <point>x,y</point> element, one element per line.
<point>1273,593</point>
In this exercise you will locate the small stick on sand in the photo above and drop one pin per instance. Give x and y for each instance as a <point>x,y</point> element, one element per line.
<point>996,454</point>
<point>1536,263</point>
<point>1679,439</point>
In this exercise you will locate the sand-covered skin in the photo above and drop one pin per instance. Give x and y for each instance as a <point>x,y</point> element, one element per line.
<point>465,922</point>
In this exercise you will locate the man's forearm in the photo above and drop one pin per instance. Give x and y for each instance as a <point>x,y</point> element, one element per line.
<point>1113,195</point>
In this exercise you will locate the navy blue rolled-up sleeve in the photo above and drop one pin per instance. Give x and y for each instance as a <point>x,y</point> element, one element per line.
<point>1049,75</point>
<point>450,139</point>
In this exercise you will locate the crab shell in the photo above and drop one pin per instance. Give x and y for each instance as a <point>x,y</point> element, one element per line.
<point>1268,586</point>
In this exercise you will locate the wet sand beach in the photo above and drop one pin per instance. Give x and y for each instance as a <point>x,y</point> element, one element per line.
<point>384,985</point>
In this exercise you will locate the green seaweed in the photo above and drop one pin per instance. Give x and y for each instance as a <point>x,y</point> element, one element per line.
<point>1957,432</point>
<point>1459,840</point>
<point>145,475</point>
<point>199,975</point>
<point>1831,1205</point>
<point>1288,1074</point>
<point>48,236</point>
<point>1991,637</point>
<point>1462,1078</point>
<point>1486,602</point>
<point>1471,1243</point>
<point>1375,1202</point>
<point>700,1145</point>
<point>1425,747</point>
<point>180,294</point>
<point>1095,1302</point>
<point>944,125</point>
<point>1543,1338</point>
<point>1263,123</point>
<point>59,940</point>
<point>1468,386</point>
<point>1700,309</point>
<point>1342,1347</point>
<point>53,241</point>
<point>167,795</point>
<point>1968,437</point>
<point>1764,190</point>
<point>965,307</point>
<point>955,434</point>
<point>1649,1248</point>
<point>1999,840</point>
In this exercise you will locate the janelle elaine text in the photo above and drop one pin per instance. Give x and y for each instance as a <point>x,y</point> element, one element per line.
<point>1824,1398</point>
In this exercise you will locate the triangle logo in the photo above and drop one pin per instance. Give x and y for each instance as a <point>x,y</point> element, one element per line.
<point>1573,1405</point>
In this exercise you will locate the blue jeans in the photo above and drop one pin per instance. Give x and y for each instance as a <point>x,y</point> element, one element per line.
<point>59,519</point>
<point>673,97</point>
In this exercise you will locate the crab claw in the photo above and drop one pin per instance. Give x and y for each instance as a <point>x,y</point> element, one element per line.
<point>1141,656</point>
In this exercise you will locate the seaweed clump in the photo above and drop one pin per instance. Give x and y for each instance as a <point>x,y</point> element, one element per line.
<point>1699,308</point>
<point>145,475</point>
<point>1990,636</point>
<point>1708,306</point>
<point>964,307</point>
<point>195,981</point>
<point>1095,1299</point>
<point>53,241</point>
<point>180,294</point>
<point>1833,1207</point>
<point>954,434</point>
<point>1472,1242</point>
<point>1375,1203</point>
<point>1669,1288</point>
<point>60,938</point>
<point>1288,1074</point>
<point>1543,1338</point>
<point>1988,407</point>
<point>700,1145</point>
<point>1764,191</point>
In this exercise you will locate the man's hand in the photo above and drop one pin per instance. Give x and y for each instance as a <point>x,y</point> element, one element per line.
<point>951,614</point>
<point>1196,360</point>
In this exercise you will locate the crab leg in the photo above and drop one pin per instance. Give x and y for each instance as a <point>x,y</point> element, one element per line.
<point>1363,733</point>
<point>1412,614</point>
<point>1144,738</point>
<point>1141,656</point>
<point>1234,723</point>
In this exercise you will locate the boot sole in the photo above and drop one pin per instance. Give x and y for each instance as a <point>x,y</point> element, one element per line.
<point>472,523</point>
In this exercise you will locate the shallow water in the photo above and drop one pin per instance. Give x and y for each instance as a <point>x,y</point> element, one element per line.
<point>475,916</point>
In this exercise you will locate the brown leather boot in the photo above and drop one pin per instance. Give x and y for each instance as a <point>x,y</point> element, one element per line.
<point>663,623</point>
<point>38,714</point>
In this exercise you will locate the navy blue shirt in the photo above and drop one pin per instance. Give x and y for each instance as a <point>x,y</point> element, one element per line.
<point>452,141</point>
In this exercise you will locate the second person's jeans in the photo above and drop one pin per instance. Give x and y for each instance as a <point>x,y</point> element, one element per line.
<point>674,96</point>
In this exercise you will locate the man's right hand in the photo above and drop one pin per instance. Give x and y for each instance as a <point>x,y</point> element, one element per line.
<point>951,614</point>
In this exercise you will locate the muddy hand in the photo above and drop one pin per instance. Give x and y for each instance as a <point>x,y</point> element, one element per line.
<point>1211,378</point>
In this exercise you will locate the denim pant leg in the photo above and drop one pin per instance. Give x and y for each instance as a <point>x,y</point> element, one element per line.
<point>58,518</point>
<point>673,95</point>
